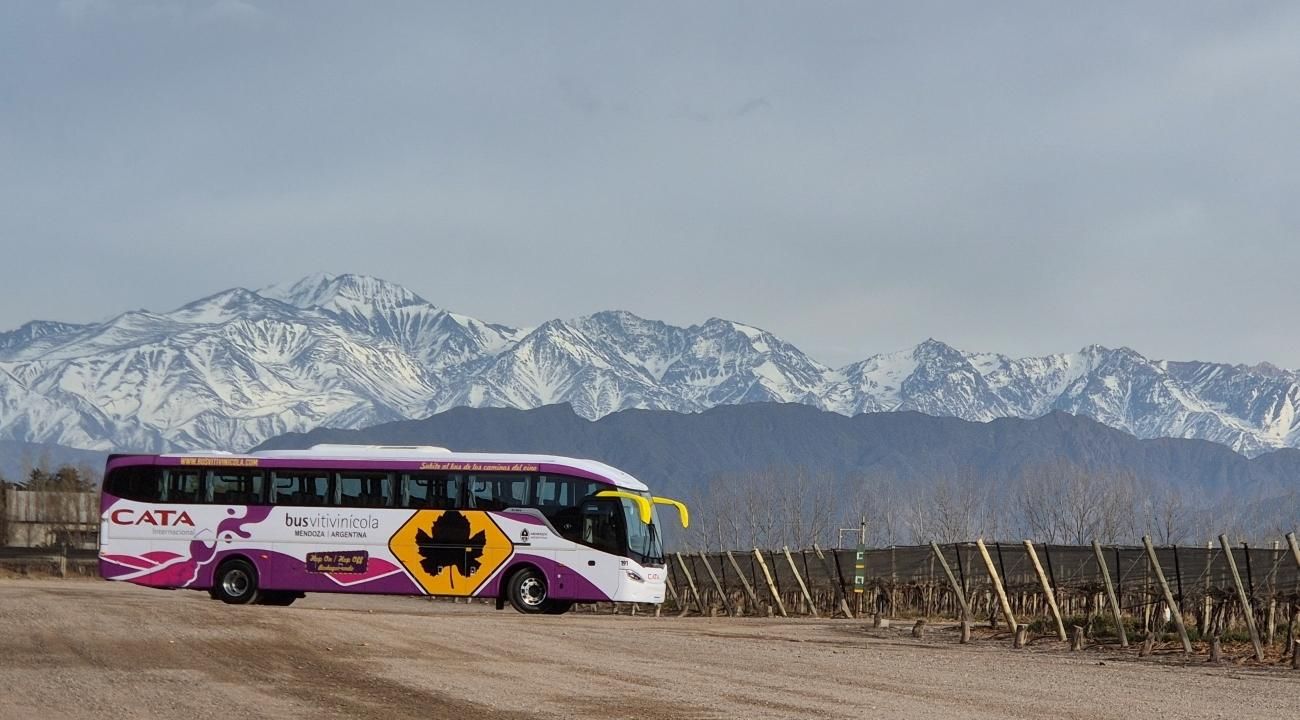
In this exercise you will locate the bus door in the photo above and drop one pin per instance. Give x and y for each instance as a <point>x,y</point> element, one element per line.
<point>602,529</point>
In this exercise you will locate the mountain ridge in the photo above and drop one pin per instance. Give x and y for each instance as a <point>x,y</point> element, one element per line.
<point>236,367</point>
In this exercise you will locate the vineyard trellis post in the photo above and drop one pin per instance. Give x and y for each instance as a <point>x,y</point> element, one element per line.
<point>835,581</point>
<point>812,607</point>
<point>997,585</point>
<point>744,582</point>
<point>1174,609</point>
<point>771,586</point>
<point>957,589</point>
<point>1047,590</point>
<point>1246,608</point>
<point>726,602</point>
<point>690,581</point>
<point>1110,594</point>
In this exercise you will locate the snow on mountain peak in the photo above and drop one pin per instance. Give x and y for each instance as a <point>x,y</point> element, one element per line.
<point>339,291</point>
<point>226,305</point>
<point>237,367</point>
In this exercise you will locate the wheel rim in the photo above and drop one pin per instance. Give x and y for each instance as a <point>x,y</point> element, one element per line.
<point>235,583</point>
<point>532,592</point>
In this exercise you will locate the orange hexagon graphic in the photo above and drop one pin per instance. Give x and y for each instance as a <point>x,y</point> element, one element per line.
<point>450,552</point>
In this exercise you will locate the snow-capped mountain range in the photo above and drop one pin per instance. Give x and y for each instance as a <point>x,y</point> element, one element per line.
<point>236,368</point>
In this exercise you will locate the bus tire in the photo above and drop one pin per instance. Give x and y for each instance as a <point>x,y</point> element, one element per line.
<point>236,582</point>
<point>558,607</point>
<point>527,591</point>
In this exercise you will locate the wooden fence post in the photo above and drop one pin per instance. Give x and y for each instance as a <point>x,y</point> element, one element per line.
<point>812,608</point>
<point>691,582</point>
<point>1246,608</point>
<point>749,591</point>
<point>1022,636</point>
<point>956,588</point>
<point>835,581</point>
<point>726,602</point>
<point>1110,595</point>
<point>1047,590</point>
<point>1174,609</point>
<point>997,585</point>
<point>771,586</point>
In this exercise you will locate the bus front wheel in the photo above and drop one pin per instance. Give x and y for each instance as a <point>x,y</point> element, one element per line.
<point>528,592</point>
<point>236,583</point>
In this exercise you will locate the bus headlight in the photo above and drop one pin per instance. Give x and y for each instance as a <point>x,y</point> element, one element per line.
<point>633,576</point>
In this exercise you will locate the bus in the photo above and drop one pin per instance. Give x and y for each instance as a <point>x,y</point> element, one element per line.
<point>537,531</point>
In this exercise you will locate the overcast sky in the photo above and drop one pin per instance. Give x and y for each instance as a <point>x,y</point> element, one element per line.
<point>855,177</point>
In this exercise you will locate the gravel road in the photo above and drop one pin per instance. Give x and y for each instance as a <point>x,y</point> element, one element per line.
<point>91,649</point>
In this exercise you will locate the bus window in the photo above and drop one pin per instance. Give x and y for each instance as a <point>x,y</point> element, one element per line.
<point>498,491</point>
<point>560,499</point>
<point>601,525</point>
<point>358,489</point>
<point>425,490</point>
<point>141,483</point>
<point>558,491</point>
<point>234,487</point>
<point>182,486</point>
<point>300,487</point>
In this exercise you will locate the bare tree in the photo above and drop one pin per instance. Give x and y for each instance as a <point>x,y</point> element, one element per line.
<point>1167,514</point>
<point>953,509</point>
<point>767,508</point>
<point>1063,503</point>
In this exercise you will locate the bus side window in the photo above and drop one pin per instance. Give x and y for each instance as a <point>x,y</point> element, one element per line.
<point>300,487</point>
<point>498,491</point>
<point>142,483</point>
<point>364,489</point>
<point>482,494</point>
<point>552,492</point>
<point>182,486</point>
<point>446,492</point>
<point>238,487</point>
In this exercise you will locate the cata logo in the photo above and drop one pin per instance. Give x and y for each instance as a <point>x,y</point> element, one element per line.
<point>157,518</point>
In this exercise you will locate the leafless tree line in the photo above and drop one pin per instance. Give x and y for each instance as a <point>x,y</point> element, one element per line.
<point>1058,504</point>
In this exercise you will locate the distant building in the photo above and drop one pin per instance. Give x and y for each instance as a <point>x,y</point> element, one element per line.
<point>48,519</point>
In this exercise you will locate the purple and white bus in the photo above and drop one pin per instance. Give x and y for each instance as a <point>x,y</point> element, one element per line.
<point>538,531</point>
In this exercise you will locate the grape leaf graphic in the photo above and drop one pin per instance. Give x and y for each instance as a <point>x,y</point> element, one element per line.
<point>448,545</point>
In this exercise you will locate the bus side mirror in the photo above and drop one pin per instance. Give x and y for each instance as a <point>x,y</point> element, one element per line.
<point>682,512</point>
<point>643,505</point>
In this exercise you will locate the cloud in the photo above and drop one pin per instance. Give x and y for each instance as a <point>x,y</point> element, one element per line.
<point>750,107</point>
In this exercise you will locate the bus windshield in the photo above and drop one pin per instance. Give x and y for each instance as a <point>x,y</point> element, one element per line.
<point>644,543</point>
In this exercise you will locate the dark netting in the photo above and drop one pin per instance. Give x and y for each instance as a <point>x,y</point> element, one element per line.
<point>911,581</point>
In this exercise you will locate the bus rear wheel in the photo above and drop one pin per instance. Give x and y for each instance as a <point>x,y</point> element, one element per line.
<point>236,583</point>
<point>528,592</point>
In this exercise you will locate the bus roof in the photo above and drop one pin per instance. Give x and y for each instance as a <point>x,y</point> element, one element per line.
<point>428,457</point>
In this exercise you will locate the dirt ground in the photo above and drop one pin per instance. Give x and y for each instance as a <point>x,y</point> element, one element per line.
<point>93,649</point>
